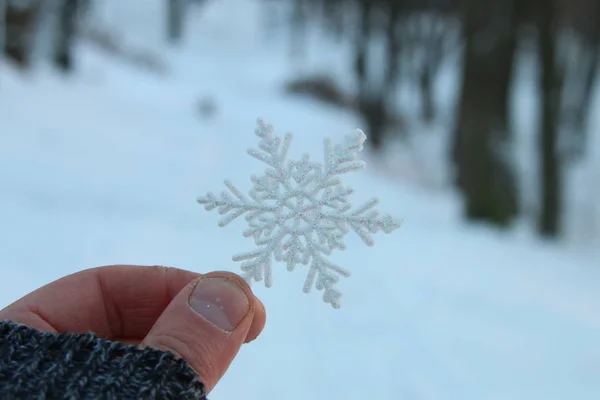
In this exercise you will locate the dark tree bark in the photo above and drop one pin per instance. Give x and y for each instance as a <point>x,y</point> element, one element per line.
<point>65,35</point>
<point>550,83</point>
<point>425,83</point>
<point>482,148</point>
<point>3,8</point>
<point>175,15</point>
<point>361,45</point>
<point>19,32</point>
<point>370,100</point>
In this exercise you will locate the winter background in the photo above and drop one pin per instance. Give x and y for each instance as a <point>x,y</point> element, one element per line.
<point>103,166</point>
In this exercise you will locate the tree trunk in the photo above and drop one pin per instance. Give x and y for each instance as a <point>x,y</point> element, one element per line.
<point>371,102</point>
<point>20,32</point>
<point>65,35</point>
<point>361,46</point>
<point>550,83</point>
<point>3,6</point>
<point>427,106</point>
<point>482,148</point>
<point>175,16</point>
<point>393,48</point>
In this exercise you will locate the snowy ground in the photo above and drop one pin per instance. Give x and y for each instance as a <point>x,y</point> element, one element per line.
<point>104,168</point>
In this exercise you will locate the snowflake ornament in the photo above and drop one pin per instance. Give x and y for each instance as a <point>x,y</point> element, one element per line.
<point>298,212</point>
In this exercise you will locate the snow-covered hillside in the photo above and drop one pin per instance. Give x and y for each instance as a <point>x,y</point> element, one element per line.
<point>104,167</point>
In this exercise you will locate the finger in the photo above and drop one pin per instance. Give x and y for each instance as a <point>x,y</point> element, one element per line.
<point>259,321</point>
<point>116,302</point>
<point>207,323</point>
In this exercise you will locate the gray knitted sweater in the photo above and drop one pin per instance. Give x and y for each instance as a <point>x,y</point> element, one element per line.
<point>45,365</point>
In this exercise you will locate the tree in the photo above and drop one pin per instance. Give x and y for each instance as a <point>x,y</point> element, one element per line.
<point>65,34</point>
<point>3,7</point>
<point>175,15</point>
<point>376,86</point>
<point>482,150</point>
<point>20,24</point>
<point>550,83</point>
<point>428,36</point>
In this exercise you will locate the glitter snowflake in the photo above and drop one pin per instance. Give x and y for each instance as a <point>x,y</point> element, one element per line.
<point>298,212</point>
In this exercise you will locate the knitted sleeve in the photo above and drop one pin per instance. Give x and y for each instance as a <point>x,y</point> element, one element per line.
<point>46,365</point>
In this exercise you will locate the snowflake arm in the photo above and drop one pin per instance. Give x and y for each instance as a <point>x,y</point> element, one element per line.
<point>298,212</point>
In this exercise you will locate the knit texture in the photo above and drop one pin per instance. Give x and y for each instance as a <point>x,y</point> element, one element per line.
<point>46,365</point>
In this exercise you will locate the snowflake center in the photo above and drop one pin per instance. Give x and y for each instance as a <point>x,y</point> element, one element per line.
<point>297,214</point>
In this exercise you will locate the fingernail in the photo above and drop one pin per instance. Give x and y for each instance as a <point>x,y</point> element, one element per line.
<point>220,301</point>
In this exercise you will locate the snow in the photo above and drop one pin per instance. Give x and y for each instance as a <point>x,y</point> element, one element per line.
<point>104,167</point>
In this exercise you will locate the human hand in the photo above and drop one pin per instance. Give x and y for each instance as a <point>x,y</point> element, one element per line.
<point>202,318</point>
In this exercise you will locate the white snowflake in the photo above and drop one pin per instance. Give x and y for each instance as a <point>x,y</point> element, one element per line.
<point>298,211</point>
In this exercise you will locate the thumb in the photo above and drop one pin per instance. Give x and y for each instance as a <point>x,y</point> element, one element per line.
<point>207,322</point>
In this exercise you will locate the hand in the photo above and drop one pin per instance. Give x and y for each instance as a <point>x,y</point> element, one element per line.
<point>202,318</point>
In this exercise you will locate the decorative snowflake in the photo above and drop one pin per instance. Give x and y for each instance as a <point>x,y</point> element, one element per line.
<point>298,211</point>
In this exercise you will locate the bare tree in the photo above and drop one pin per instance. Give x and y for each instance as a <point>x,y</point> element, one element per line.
<point>3,6</point>
<point>376,86</point>
<point>370,104</point>
<point>65,34</point>
<point>20,24</point>
<point>428,35</point>
<point>550,82</point>
<point>482,149</point>
<point>175,13</point>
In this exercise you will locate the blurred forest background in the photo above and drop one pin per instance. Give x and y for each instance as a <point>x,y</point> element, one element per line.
<point>483,136</point>
<point>408,43</point>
